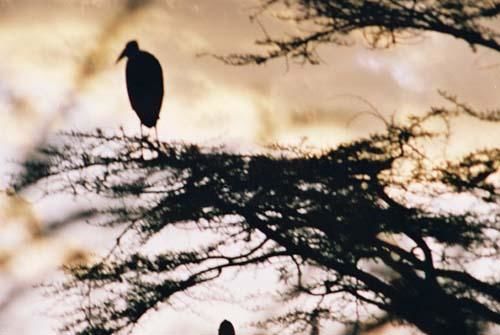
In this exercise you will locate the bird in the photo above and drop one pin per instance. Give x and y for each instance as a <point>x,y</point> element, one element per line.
<point>144,77</point>
<point>226,328</point>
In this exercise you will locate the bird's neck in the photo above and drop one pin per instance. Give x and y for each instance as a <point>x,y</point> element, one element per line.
<point>133,53</point>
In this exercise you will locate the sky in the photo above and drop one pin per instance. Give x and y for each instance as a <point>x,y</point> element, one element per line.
<point>58,71</point>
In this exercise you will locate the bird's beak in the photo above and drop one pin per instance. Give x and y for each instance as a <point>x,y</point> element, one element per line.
<point>121,56</point>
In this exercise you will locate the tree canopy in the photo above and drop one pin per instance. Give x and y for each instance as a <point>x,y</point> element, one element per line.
<point>382,23</point>
<point>345,214</point>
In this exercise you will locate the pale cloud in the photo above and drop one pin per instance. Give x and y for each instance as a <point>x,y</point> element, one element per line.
<point>370,62</point>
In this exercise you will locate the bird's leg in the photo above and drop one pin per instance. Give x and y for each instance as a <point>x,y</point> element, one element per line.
<point>157,139</point>
<point>142,150</point>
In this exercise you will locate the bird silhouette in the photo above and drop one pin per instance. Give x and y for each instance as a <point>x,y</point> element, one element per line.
<point>144,84</point>
<point>226,328</point>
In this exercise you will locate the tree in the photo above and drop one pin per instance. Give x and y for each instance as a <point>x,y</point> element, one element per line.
<point>334,213</point>
<point>348,214</point>
<point>383,23</point>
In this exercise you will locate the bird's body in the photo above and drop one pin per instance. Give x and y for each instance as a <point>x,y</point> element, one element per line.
<point>144,77</point>
<point>145,87</point>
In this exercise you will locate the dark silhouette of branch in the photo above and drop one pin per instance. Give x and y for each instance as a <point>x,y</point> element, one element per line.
<point>383,23</point>
<point>333,213</point>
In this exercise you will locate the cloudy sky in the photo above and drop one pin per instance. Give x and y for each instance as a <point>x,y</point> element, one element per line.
<point>58,71</point>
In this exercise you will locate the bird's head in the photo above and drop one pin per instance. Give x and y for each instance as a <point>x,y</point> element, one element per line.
<point>226,328</point>
<point>131,49</point>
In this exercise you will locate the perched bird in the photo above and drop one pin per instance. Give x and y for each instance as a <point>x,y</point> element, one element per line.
<point>226,328</point>
<point>144,84</point>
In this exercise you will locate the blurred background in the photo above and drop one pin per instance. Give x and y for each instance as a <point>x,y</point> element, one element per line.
<point>58,71</point>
